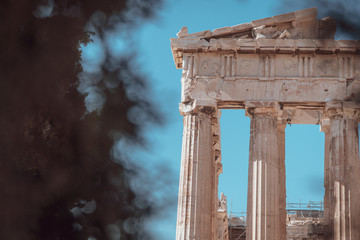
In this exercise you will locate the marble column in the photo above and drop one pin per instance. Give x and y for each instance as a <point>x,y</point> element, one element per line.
<point>344,166</point>
<point>282,178</point>
<point>216,148</point>
<point>325,128</point>
<point>196,189</point>
<point>264,189</point>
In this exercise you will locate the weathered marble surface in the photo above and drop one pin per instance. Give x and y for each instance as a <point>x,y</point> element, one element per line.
<point>285,69</point>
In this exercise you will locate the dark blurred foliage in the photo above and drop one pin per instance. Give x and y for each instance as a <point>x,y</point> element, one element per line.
<point>58,176</point>
<point>346,13</point>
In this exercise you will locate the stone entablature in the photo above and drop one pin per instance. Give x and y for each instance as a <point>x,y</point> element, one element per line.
<point>262,46</point>
<point>306,70</point>
<point>297,77</point>
<point>273,63</point>
<point>301,74</point>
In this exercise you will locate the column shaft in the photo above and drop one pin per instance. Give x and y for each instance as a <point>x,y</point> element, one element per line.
<point>263,212</point>
<point>196,200</point>
<point>216,146</point>
<point>327,179</point>
<point>344,179</point>
<point>282,179</point>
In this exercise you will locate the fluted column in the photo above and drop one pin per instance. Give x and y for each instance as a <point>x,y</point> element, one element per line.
<point>216,146</point>
<point>196,189</point>
<point>264,189</point>
<point>282,178</point>
<point>344,174</point>
<point>325,128</point>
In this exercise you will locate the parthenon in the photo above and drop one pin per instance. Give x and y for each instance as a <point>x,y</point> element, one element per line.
<point>282,69</point>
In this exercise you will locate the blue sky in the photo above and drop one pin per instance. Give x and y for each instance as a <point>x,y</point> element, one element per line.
<point>304,143</point>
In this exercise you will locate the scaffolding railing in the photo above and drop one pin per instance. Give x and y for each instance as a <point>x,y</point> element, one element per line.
<point>301,209</point>
<point>237,214</point>
<point>313,209</point>
<point>311,205</point>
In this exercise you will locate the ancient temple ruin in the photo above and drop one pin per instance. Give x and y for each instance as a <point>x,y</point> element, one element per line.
<point>283,69</point>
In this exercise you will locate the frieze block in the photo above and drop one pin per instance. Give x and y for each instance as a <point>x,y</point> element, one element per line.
<point>247,65</point>
<point>210,64</point>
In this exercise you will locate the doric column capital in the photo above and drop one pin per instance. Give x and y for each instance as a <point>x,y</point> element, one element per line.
<point>335,110</point>
<point>351,110</point>
<point>199,107</point>
<point>266,109</point>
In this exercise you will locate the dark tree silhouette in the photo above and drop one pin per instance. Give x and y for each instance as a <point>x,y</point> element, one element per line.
<point>58,178</point>
<point>346,14</point>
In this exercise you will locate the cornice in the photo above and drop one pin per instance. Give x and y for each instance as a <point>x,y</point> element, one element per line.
<point>179,46</point>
